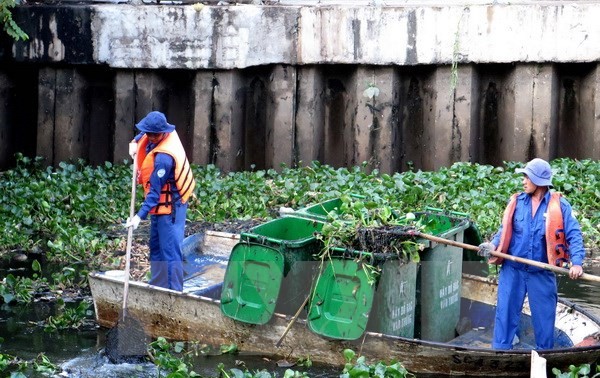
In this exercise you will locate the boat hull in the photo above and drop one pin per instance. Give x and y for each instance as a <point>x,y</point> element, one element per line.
<point>185,316</point>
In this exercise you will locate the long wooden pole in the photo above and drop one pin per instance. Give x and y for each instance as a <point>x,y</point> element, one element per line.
<point>289,326</point>
<point>539,264</point>
<point>129,237</point>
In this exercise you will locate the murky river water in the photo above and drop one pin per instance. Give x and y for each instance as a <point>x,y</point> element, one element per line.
<point>79,353</point>
<point>584,293</point>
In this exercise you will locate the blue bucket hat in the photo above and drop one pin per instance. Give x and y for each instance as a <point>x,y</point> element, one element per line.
<point>538,171</point>
<point>155,122</point>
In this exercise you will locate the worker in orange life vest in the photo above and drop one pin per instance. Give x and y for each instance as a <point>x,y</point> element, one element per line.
<point>537,225</point>
<point>166,176</point>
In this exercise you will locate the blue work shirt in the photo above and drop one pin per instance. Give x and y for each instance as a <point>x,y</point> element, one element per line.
<point>164,170</point>
<point>529,233</point>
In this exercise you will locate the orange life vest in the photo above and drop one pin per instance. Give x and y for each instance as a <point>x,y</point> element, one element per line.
<point>184,180</point>
<point>556,243</point>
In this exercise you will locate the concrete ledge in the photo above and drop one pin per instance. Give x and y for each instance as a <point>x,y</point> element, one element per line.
<point>227,37</point>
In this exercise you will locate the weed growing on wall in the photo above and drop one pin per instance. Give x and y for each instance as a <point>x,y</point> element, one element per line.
<point>10,26</point>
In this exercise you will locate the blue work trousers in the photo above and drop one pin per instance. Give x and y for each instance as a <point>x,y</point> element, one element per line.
<point>166,260</point>
<point>513,285</point>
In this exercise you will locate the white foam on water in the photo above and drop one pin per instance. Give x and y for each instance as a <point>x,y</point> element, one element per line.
<point>98,366</point>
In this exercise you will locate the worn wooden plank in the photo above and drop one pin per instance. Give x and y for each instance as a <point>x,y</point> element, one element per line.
<point>176,100</point>
<point>360,115</point>
<point>124,110</point>
<point>6,147</point>
<point>413,121</point>
<point>544,117</point>
<point>202,93</point>
<point>377,119</point>
<point>466,121</point>
<point>310,115</point>
<point>517,104</point>
<point>451,117</point>
<point>46,111</point>
<point>584,136</point>
<point>228,153</point>
<point>100,117</point>
<point>337,131</point>
<point>71,136</point>
<point>280,138</point>
<point>151,93</point>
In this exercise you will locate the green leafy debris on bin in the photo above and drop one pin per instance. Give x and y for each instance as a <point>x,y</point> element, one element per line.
<point>351,226</point>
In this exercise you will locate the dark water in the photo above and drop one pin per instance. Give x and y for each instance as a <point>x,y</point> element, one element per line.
<point>80,353</point>
<point>584,293</point>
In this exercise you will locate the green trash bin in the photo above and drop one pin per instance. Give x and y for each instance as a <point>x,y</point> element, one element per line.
<point>395,299</point>
<point>439,278</point>
<point>270,270</point>
<point>348,299</point>
<point>343,304</point>
<point>342,297</point>
<point>321,210</point>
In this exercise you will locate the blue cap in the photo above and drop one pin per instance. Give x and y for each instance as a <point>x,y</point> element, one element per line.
<point>155,122</point>
<point>538,171</point>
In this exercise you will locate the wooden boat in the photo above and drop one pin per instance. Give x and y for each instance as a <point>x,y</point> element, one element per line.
<point>188,316</point>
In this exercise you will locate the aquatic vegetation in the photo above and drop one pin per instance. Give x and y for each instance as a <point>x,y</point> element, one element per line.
<point>172,359</point>
<point>13,367</point>
<point>16,289</point>
<point>581,371</point>
<point>68,318</point>
<point>357,367</point>
<point>74,212</point>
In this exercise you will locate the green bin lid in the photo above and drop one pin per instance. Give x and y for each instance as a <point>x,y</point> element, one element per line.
<point>322,209</point>
<point>287,232</point>
<point>341,301</point>
<point>252,282</point>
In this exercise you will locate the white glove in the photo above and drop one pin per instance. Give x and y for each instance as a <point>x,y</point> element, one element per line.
<point>133,222</point>
<point>485,249</point>
<point>132,149</point>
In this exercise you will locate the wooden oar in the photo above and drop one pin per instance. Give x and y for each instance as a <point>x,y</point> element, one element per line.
<point>556,269</point>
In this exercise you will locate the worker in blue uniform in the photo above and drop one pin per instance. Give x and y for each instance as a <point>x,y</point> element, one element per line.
<point>166,176</point>
<point>538,225</point>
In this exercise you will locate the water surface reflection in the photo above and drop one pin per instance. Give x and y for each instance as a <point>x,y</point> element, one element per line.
<point>583,293</point>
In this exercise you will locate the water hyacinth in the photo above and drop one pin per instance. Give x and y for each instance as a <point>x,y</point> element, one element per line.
<point>70,212</point>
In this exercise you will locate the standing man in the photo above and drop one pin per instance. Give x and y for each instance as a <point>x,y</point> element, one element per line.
<point>166,176</point>
<point>537,225</point>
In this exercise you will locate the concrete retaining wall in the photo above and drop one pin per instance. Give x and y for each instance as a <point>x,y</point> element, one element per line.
<point>255,86</point>
<point>227,37</point>
<point>192,37</point>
